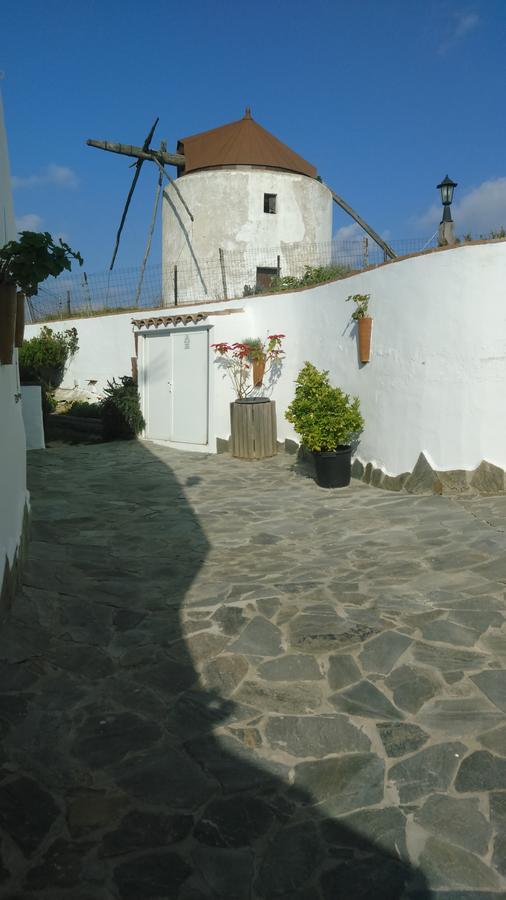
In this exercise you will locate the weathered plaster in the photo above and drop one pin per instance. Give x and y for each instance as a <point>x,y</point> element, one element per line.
<point>228,210</point>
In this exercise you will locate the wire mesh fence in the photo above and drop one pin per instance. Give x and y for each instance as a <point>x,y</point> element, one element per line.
<point>226,276</point>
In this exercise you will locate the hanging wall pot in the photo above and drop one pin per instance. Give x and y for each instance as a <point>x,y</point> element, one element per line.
<point>20,318</point>
<point>364,326</point>
<point>7,322</point>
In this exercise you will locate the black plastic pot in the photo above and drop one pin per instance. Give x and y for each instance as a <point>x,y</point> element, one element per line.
<point>333,467</point>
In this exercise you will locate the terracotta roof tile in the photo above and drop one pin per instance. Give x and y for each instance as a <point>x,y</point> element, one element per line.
<point>156,321</point>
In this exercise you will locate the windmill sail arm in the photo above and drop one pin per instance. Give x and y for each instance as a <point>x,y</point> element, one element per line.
<point>370,231</point>
<point>169,159</point>
<point>174,185</point>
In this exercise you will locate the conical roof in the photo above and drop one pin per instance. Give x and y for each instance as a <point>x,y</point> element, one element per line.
<point>245,143</point>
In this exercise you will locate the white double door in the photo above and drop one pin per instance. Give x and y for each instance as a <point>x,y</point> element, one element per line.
<point>176,376</point>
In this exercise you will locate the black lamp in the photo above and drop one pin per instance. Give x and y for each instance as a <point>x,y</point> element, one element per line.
<point>447,187</point>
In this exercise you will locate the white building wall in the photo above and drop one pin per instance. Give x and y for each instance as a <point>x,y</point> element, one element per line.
<point>31,403</point>
<point>13,494</point>
<point>436,379</point>
<point>228,210</point>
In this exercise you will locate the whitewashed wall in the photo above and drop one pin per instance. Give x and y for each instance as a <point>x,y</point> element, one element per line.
<point>13,494</point>
<point>438,371</point>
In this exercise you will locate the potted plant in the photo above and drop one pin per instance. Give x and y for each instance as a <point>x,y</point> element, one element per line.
<point>326,419</point>
<point>24,264</point>
<point>249,356</point>
<point>252,417</point>
<point>364,324</point>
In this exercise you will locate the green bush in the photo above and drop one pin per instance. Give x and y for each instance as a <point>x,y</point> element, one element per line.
<point>43,358</point>
<point>121,409</point>
<point>312,275</point>
<point>34,258</point>
<point>324,416</point>
<point>85,410</point>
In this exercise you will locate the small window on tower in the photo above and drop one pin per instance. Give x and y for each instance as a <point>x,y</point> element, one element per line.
<point>270,203</point>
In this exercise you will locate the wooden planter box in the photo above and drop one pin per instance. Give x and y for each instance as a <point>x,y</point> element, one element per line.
<point>253,427</point>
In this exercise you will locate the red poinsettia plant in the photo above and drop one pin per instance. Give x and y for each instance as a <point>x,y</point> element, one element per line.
<point>249,356</point>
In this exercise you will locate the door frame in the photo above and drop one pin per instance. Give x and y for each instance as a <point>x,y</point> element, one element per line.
<point>143,373</point>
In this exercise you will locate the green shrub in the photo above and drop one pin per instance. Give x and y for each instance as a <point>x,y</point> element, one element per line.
<point>312,275</point>
<point>121,409</point>
<point>48,404</point>
<point>324,416</point>
<point>33,258</point>
<point>285,283</point>
<point>85,410</point>
<point>43,358</point>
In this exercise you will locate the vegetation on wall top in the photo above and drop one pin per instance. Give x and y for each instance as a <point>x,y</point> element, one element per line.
<point>312,275</point>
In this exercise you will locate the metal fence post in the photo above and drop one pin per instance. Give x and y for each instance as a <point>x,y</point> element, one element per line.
<point>366,253</point>
<point>175,285</point>
<point>223,274</point>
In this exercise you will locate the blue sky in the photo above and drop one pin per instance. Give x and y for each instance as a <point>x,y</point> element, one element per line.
<point>384,97</point>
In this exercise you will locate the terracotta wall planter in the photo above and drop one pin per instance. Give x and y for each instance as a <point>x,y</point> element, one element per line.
<point>258,372</point>
<point>7,322</point>
<point>20,318</point>
<point>364,338</point>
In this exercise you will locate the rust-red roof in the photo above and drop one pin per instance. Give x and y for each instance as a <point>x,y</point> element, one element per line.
<point>245,143</point>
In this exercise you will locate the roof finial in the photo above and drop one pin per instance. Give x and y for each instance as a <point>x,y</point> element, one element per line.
<point>247,113</point>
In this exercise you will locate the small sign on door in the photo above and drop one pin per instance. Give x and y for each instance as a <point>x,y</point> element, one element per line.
<point>187,342</point>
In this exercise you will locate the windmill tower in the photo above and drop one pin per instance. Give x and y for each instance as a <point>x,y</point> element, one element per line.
<point>241,196</point>
<point>250,196</point>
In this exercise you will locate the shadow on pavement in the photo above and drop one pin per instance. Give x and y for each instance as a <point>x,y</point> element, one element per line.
<point>113,781</point>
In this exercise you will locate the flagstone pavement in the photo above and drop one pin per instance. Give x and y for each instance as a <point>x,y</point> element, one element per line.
<point>221,681</point>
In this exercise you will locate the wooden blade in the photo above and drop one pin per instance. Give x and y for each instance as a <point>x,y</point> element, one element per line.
<point>138,166</point>
<point>147,142</point>
<point>173,183</point>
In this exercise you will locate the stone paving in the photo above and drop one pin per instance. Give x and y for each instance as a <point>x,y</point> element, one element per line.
<point>221,681</point>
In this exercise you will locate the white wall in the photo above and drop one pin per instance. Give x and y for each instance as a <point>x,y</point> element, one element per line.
<point>438,371</point>
<point>228,210</point>
<point>31,403</point>
<point>13,495</point>
<point>106,346</point>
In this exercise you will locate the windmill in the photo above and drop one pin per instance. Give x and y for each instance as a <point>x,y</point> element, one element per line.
<point>246,136</point>
<point>141,154</point>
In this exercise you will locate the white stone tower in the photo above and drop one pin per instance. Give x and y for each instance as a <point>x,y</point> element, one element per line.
<point>252,198</point>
